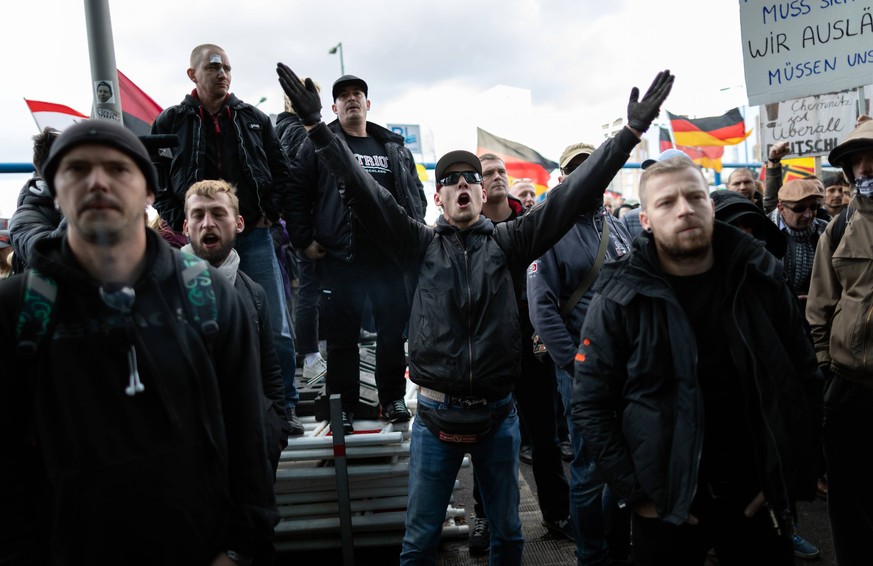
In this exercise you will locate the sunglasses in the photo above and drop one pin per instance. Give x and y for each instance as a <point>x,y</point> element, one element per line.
<point>801,208</point>
<point>454,177</point>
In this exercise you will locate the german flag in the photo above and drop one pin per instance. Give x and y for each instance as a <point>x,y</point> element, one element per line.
<point>727,129</point>
<point>137,108</point>
<point>521,161</point>
<point>708,157</point>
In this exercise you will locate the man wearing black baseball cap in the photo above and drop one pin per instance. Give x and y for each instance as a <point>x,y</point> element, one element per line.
<point>353,266</point>
<point>464,337</point>
<point>127,403</point>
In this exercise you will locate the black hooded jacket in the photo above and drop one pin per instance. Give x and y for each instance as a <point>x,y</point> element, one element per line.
<point>176,473</point>
<point>636,394</point>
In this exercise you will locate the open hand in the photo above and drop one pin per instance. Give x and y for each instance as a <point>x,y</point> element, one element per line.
<point>303,95</point>
<point>641,113</point>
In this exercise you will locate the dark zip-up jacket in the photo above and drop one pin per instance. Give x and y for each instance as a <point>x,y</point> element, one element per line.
<point>313,207</point>
<point>636,394</point>
<point>264,166</point>
<point>464,331</point>
<point>555,276</point>
<point>176,473</point>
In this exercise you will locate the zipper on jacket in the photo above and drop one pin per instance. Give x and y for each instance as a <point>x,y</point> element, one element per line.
<point>217,128</point>
<point>469,311</point>
<point>239,137</point>
<point>772,437</point>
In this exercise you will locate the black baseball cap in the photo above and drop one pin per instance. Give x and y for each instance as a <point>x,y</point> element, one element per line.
<point>346,80</point>
<point>457,156</point>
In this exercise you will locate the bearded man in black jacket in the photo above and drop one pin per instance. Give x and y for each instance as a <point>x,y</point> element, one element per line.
<point>696,389</point>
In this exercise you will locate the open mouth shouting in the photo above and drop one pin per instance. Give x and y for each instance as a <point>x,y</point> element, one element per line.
<point>463,199</point>
<point>210,240</point>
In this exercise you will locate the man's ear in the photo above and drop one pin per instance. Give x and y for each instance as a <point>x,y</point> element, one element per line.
<point>333,107</point>
<point>644,221</point>
<point>191,75</point>
<point>185,227</point>
<point>368,105</point>
<point>437,200</point>
<point>240,223</point>
<point>484,195</point>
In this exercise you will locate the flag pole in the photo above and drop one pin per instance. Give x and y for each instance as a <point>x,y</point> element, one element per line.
<point>103,70</point>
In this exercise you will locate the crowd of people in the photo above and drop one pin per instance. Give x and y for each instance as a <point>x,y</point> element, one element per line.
<point>706,351</point>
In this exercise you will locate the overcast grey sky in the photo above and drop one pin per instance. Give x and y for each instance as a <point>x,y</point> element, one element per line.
<point>427,63</point>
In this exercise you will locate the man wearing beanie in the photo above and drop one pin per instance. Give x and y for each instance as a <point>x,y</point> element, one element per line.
<point>464,336</point>
<point>838,312</point>
<point>131,432</point>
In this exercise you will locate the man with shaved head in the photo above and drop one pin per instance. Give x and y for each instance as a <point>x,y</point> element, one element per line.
<point>222,137</point>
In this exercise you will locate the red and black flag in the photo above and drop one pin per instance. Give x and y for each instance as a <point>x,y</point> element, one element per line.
<point>727,129</point>
<point>708,157</point>
<point>137,108</point>
<point>521,161</point>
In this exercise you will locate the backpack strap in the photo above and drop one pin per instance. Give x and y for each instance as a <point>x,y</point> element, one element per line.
<point>37,305</point>
<point>840,227</point>
<point>197,285</point>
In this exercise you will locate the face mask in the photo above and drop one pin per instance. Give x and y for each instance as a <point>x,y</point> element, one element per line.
<point>864,186</point>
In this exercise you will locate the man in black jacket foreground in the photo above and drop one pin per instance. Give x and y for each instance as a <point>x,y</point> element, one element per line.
<point>131,431</point>
<point>464,337</point>
<point>696,388</point>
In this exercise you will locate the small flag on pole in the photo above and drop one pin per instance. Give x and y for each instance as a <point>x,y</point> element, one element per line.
<point>51,115</point>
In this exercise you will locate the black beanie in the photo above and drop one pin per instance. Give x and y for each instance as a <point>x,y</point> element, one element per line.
<point>100,132</point>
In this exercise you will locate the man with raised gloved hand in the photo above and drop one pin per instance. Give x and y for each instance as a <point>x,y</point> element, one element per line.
<point>464,339</point>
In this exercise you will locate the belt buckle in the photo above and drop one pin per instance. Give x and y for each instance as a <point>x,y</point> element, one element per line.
<point>471,402</point>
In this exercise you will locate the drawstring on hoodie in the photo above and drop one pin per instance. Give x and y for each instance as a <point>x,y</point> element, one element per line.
<point>120,298</point>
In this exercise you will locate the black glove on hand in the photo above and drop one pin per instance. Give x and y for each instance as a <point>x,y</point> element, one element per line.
<point>641,113</point>
<point>303,96</point>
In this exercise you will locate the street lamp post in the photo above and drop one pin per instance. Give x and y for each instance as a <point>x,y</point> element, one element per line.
<point>333,50</point>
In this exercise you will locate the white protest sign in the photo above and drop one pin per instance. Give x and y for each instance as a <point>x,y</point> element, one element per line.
<point>798,48</point>
<point>812,126</point>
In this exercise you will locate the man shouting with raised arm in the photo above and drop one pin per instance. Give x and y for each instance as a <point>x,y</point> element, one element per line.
<point>464,338</point>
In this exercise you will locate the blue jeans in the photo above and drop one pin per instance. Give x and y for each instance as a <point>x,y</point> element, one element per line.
<point>433,467</point>
<point>587,498</point>
<point>257,259</point>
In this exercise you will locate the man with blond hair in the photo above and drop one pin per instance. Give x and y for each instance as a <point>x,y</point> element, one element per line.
<point>212,223</point>
<point>705,437</point>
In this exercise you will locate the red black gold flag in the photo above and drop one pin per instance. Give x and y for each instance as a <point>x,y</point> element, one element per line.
<point>727,129</point>
<point>521,161</point>
<point>708,157</point>
<point>137,108</point>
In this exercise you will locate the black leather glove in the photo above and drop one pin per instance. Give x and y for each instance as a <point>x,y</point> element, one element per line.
<point>641,113</point>
<point>303,95</point>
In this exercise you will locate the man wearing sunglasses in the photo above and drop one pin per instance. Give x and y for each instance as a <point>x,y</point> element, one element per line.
<point>796,216</point>
<point>464,336</point>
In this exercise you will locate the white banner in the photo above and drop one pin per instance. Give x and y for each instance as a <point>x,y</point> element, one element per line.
<point>812,126</point>
<point>798,48</point>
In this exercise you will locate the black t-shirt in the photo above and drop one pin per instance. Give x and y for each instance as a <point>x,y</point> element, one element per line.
<point>728,453</point>
<point>374,159</point>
